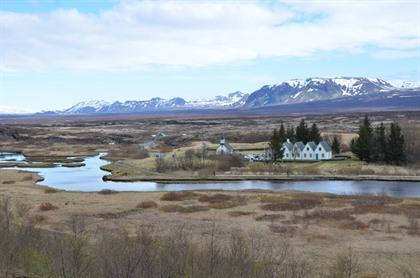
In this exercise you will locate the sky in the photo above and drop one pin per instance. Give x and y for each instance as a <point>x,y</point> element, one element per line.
<point>55,53</point>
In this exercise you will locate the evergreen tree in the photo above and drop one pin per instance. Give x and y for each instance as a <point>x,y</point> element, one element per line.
<point>290,134</point>
<point>379,147</point>
<point>275,145</point>
<point>302,132</point>
<point>395,146</point>
<point>336,145</point>
<point>314,134</point>
<point>362,145</point>
<point>282,134</point>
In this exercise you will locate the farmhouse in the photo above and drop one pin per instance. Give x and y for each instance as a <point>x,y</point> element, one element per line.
<point>297,151</point>
<point>301,151</point>
<point>308,152</point>
<point>224,147</point>
<point>323,151</point>
<point>287,149</point>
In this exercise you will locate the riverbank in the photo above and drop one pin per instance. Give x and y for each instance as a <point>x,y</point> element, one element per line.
<point>379,229</point>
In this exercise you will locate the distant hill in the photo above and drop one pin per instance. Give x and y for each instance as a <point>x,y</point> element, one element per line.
<point>311,94</point>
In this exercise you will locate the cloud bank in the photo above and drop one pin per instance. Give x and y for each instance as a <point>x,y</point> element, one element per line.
<point>137,34</point>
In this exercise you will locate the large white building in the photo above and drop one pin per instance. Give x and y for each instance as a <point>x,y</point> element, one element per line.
<point>301,151</point>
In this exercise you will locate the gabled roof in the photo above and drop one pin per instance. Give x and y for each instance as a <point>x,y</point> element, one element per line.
<point>325,146</point>
<point>229,147</point>
<point>288,146</point>
<point>311,145</point>
<point>300,145</point>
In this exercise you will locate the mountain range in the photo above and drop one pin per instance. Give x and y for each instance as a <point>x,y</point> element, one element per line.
<point>311,94</point>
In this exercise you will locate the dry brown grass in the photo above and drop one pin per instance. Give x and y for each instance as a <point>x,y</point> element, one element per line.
<point>181,209</point>
<point>223,201</point>
<point>239,213</point>
<point>223,205</point>
<point>294,204</point>
<point>270,217</point>
<point>47,206</point>
<point>215,198</point>
<point>288,231</point>
<point>194,208</point>
<point>179,196</point>
<point>147,205</point>
<point>37,219</point>
<point>326,214</point>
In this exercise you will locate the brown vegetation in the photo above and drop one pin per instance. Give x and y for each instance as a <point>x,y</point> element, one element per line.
<point>107,192</point>
<point>147,205</point>
<point>47,206</point>
<point>179,196</point>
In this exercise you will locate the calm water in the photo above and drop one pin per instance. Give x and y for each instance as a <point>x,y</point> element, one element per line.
<point>89,178</point>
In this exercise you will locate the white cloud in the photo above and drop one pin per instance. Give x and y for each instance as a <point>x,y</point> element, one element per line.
<point>137,34</point>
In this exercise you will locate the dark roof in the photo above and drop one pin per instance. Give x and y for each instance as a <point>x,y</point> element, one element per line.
<point>300,145</point>
<point>325,145</point>
<point>312,145</point>
<point>228,146</point>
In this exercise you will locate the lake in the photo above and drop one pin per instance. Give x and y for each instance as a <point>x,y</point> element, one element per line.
<point>89,179</point>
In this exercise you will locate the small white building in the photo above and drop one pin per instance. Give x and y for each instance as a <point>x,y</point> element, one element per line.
<point>323,151</point>
<point>224,148</point>
<point>308,152</point>
<point>287,150</point>
<point>297,152</point>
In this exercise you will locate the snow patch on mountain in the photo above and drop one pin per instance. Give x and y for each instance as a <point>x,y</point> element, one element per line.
<point>405,84</point>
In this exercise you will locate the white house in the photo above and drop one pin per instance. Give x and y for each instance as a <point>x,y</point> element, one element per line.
<point>323,151</point>
<point>308,152</point>
<point>297,151</point>
<point>224,147</point>
<point>287,150</point>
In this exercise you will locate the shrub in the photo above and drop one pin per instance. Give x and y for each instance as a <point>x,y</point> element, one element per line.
<point>37,219</point>
<point>324,214</point>
<point>353,225</point>
<point>47,206</point>
<point>194,208</point>
<point>239,213</point>
<point>284,230</point>
<point>269,217</point>
<point>294,204</point>
<point>50,190</point>
<point>171,208</point>
<point>22,208</point>
<point>9,182</point>
<point>107,192</point>
<point>179,196</point>
<point>147,204</point>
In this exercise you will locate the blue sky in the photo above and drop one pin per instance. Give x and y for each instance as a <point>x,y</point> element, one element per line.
<point>54,54</point>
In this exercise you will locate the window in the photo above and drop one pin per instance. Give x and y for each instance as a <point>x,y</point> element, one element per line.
<point>322,155</point>
<point>304,155</point>
<point>287,155</point>
<point>310,155</point>
<point>307,148</point>
<point>319,148</point>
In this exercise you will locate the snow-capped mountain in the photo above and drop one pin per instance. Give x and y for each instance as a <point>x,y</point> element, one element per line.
<point>310,93</point>
<point>232,100</point>
<point>316,89</point>
<point>235,99</point>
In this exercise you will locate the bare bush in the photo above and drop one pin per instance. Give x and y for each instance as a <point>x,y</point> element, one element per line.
<point>347,265</point>
<point>147,205</point>
<point>47,206</point>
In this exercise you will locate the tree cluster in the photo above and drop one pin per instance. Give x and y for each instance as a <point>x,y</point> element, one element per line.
<point>379,145</point>
<point>301,133</point>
